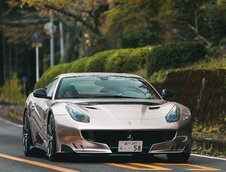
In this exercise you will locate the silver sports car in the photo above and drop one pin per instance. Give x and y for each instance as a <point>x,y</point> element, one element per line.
<point>108,114</point>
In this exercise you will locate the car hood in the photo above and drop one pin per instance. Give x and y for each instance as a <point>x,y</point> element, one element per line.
<point>125,114</point>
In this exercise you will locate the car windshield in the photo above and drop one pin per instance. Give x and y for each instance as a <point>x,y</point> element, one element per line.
<point>104,87</point>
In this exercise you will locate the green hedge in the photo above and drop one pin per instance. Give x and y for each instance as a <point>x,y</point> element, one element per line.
<point>97,62</point>
<point>130,60</point>
<point>78,65</point>
<point>126,60</point>
<point>174,55</point>
<point>51,73</point>
<point>122,60</point>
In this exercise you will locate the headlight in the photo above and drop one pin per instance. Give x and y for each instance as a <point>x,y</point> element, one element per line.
<point>77,115</point>
<point>173,115</point>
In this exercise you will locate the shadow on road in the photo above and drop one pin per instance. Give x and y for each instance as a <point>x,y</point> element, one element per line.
<point>74,158</point>
<point>108,159</point>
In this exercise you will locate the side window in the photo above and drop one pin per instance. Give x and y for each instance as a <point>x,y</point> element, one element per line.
<point>50,88</point>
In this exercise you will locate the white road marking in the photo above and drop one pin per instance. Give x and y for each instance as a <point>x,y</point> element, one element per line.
<point>11,123</point>
<point>209,157</point>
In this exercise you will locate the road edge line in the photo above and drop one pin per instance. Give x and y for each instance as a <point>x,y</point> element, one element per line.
<point>209,157</point>
<point>11,123</point>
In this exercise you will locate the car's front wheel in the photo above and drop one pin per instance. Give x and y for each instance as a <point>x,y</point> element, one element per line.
<point>51,149</point>
<point>27,140</point>
<point>178,157</point>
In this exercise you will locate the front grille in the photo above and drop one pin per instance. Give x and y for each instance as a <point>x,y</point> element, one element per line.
<point>112,137</point>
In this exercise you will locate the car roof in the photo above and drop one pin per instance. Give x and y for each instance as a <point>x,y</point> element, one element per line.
<point>97,74</point>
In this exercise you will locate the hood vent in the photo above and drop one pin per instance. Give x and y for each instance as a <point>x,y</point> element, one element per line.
<point>91,107</point>
<point>153,107</point>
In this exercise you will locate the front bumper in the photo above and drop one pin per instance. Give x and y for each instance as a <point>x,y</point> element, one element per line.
<point>157,142</point>
<point>174,138</point>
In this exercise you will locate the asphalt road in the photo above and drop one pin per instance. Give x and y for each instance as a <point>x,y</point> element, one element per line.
<point>12,159</point>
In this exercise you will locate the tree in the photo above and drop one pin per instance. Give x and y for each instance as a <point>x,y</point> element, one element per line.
<point>77,9</point>
<point>201,19</point>
<point>17,25</point>
<point>133,23</point>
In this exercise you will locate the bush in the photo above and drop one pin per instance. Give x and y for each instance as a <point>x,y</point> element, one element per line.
<point>174,55</point>
<point>123,60</point>
<point>78,65</point>
<point>11,91</point>
<point>97,62</point>
<point>126,60</point>
<point>130,60</point>
<point>51,73</point>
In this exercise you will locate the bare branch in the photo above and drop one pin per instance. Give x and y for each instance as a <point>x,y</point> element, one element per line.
<point>25,22</point>
<point>77,18</point>
<point>200,36</point>
<point>94,16</point>
<point>9,10</point>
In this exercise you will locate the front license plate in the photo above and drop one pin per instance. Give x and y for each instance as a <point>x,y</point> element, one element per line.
<point>130,146</point>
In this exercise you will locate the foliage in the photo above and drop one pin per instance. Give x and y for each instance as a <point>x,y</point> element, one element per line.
<point>131,60</point>
<point>122,60</point>
<point>137,22</point>
<point>11,91</point>
<point>126,60</point>
<point>202,19</point>
<point>159,76</point>
<point>97,62</point>
<point>51,73</point>
<point>197,127</point>
<point>207,64</point>
<point>174,55</point>
<point>221,2</point>
<point>215,22</point>
<point>78,65</point>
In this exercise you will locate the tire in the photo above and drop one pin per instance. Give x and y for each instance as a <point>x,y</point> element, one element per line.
<point>27,140</point>
<point>51,149</point>
<point>178,157</point>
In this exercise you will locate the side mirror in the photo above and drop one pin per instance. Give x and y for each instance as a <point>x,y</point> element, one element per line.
<point>40,93</point>
<point>167,93</point>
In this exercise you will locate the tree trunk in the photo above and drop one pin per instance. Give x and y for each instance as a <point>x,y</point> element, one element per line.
<point>4,59</point>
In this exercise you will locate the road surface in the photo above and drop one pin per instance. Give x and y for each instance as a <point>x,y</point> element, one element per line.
<point>12,159</point>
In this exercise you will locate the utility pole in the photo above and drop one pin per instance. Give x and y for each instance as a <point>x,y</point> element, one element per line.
<point>37,63</point>
<point>51,40</point>
<point>50,29</point>
<point>61,40</point>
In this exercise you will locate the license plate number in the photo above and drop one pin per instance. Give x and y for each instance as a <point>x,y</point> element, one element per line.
<point>130,146</point>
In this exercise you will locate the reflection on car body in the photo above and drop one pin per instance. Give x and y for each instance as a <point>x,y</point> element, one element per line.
<point>105,113</point>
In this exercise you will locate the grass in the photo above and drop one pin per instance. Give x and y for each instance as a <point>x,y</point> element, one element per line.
<point>14,113</point>
<point>207,64</point>
<point>160,76</point>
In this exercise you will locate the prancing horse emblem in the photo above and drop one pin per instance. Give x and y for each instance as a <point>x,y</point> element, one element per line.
<point>130,137</point>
